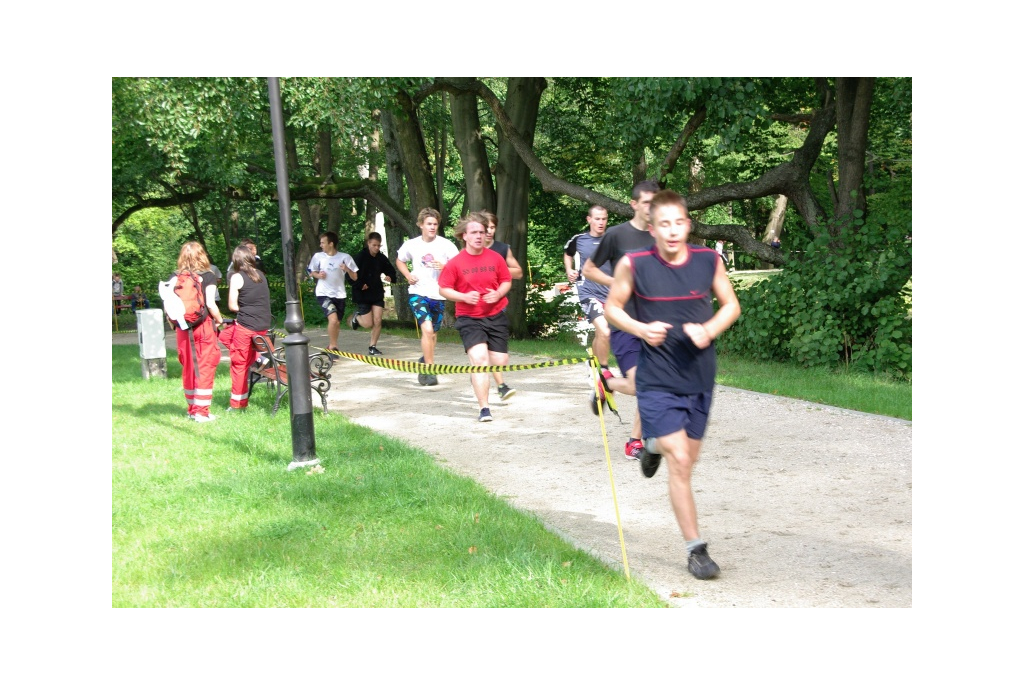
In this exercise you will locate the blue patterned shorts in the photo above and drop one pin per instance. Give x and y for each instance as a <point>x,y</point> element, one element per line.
<point>426,309</point>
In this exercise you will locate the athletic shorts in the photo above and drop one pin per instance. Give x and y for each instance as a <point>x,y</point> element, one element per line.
<point>592,308</point>
<point>626,348</point>
<point>492,330</point>
<point>424,309</point>
<point>665,413</point>
<point>332,305</point>
<point>367,307</point>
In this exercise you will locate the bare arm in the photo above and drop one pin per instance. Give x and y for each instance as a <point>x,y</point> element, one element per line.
<point>728,310</point>
<point>211,304</point>
<point>234,285</point>
<point>570,271</point>
<point>592,273</point>
<point>513,266</point>
<point>653,333</point>
<point>404,270</point>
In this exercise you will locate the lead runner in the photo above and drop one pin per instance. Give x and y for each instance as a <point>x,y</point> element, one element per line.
<point>671,286</point>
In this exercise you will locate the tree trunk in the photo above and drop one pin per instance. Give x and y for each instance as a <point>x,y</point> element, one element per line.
<point>396,191</point>
<point>413,151</point>
<point>853,114</point>
<point>522,103</point>
<point>470,145</point>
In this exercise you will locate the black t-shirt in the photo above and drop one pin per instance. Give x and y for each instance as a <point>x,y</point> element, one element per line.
<point>254,303</point>
<point>617,241</point>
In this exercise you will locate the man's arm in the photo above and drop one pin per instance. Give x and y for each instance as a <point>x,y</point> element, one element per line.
<point>404,270</point>
<point>514,269</point>
<point>653,333</point>
<point>728,310</point>
<point>592,273</point>
<point>570,271</point>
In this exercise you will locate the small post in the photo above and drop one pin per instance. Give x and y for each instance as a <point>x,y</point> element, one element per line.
<point>296,345</point>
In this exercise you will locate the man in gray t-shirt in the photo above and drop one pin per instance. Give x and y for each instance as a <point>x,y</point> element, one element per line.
<point>591,293</point>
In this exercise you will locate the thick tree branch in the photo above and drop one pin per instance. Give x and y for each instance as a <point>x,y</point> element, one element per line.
<point>689,129</point>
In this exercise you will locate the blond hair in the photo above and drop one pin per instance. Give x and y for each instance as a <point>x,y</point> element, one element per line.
<point>193,258</point>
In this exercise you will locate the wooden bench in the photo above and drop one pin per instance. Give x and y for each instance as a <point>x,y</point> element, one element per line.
<point>270,368</point>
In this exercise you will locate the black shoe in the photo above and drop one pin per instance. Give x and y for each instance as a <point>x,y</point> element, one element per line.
<point>374,352</point>
<point>505,392</point>
<point>649,462</point>
<point>701,565</point>
<point>431,379</point>
<point>422,378</point>
<point>354,322</point>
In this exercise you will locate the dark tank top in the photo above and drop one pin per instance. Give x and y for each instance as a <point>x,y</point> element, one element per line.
<point>675,294</point>
<point>254,304</point>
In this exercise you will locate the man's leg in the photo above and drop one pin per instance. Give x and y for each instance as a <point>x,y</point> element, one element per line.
<point>332,330</point>
<point>479,356</point>
<point>428,341</point>
<point>377,322</point>
<point>602,342</point>
<point>681,453</point>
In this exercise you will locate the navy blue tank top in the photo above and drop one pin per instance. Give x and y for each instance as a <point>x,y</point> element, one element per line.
<point>675,294</point>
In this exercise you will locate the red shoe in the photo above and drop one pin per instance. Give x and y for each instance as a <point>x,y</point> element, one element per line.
<point>633,448</point>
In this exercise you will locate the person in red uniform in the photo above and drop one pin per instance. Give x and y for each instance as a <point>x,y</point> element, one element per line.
<point>198,387</point>
<point>249,297</point>
<point>477,281</point>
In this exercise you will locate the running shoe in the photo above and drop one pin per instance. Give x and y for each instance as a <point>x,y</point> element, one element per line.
<point>700,564</point>
<point>422,378</point>
<point>505,392</point>
<point>374,352</point>
<point>649,460</point>
<point>203,418</point>
<point>633,448</point>
<point>485,416</point>
<point>604,375</point>
<point>354,322</point>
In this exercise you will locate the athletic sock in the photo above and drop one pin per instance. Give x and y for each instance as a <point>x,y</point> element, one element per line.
<point>649,445</point>
<point>692,545</point>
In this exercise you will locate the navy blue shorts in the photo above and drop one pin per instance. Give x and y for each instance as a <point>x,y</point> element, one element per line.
<point>332,305</point>
<point>665,413</point>
<point>626,348</point>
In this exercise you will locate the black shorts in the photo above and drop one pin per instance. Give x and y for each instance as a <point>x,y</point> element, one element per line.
<point>492,330</point>
<point>367,307</point>
<point>332,305</point>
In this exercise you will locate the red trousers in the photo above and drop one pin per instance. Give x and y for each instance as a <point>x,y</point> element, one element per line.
<point>198,394</point>
<point>238,340</point>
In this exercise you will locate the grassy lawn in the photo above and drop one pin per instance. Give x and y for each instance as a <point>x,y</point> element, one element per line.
<point>206,515</point>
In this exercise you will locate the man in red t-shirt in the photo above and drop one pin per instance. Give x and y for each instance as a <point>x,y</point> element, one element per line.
<point>477,280</point>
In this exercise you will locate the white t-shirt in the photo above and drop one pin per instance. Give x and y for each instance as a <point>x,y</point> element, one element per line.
<point>334,284</point>
<point>216,272</point>
<point>422,254</point>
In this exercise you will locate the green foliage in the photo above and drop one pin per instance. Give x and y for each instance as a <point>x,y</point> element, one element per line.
<point>147,247</point>
<point>842,304</point>
<point>548,316</point>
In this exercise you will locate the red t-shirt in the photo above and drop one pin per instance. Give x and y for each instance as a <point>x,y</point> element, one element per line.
<point>466,273</point>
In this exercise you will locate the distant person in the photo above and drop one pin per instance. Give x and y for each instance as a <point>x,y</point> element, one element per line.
<point>198,371</point>
<point>617,241</point>
<point>375,269</point>
<point>671,286</point>
<point>329,267</point>
<point>776,243</point>
<point>249,297</point>
<point>477,280</point>
<point>219,276</point>
<point>591,295</point>
<point>427,254</point>
<point>117,285</point>
<point>504,249</point>
<point>139,299</point>
<point>247,242</point>
<point>720,249</point>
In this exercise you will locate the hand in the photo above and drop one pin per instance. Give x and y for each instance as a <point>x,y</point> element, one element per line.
<point>655,333</point>
<point>436,264</point>
<point>491,296</point>
<point>472,298</point>
<point>413,279</point>
<point>698,334</point>
<point>366,286</point>
<point>573,275</point>
<point>387,279</point>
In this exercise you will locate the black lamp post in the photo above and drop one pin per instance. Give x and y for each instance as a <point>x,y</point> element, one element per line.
<point>296,345</point>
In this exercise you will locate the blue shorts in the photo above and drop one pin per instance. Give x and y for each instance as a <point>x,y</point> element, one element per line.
<point>665,413</point>
<point>332,305</point>
<point>626,348</point>
<point>424,309</point>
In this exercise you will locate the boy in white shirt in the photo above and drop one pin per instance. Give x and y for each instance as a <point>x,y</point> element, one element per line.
<point>428,254</point>
<point>329,268</point>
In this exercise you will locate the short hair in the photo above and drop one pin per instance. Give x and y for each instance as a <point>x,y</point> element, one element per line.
<point>373,235</point>
<point>331,236</point>
<point>464,222</point>
<point>668,197</point>
<point>247,242</point>
<point>193,258</point>
<point>648,186</point>
<point>590,212</point>
<point>428,211</point>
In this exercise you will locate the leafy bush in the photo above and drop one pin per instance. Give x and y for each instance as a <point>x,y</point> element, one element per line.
<point>842,303</point>
<point>546,318</point>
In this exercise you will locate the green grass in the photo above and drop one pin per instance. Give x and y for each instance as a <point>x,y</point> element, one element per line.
<point>206,515</point>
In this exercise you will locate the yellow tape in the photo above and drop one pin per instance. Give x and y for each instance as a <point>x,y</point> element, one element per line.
<point>441,369</point>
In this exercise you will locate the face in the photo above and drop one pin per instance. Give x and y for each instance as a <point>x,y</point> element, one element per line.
<point>324,243</point>
<point>428,229</point>
<point>475,235</point>
<point>670,228</point>
<point>642,207</point>
<point>598,220</point>
<point>491,230</point>
<point>373,246</point>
